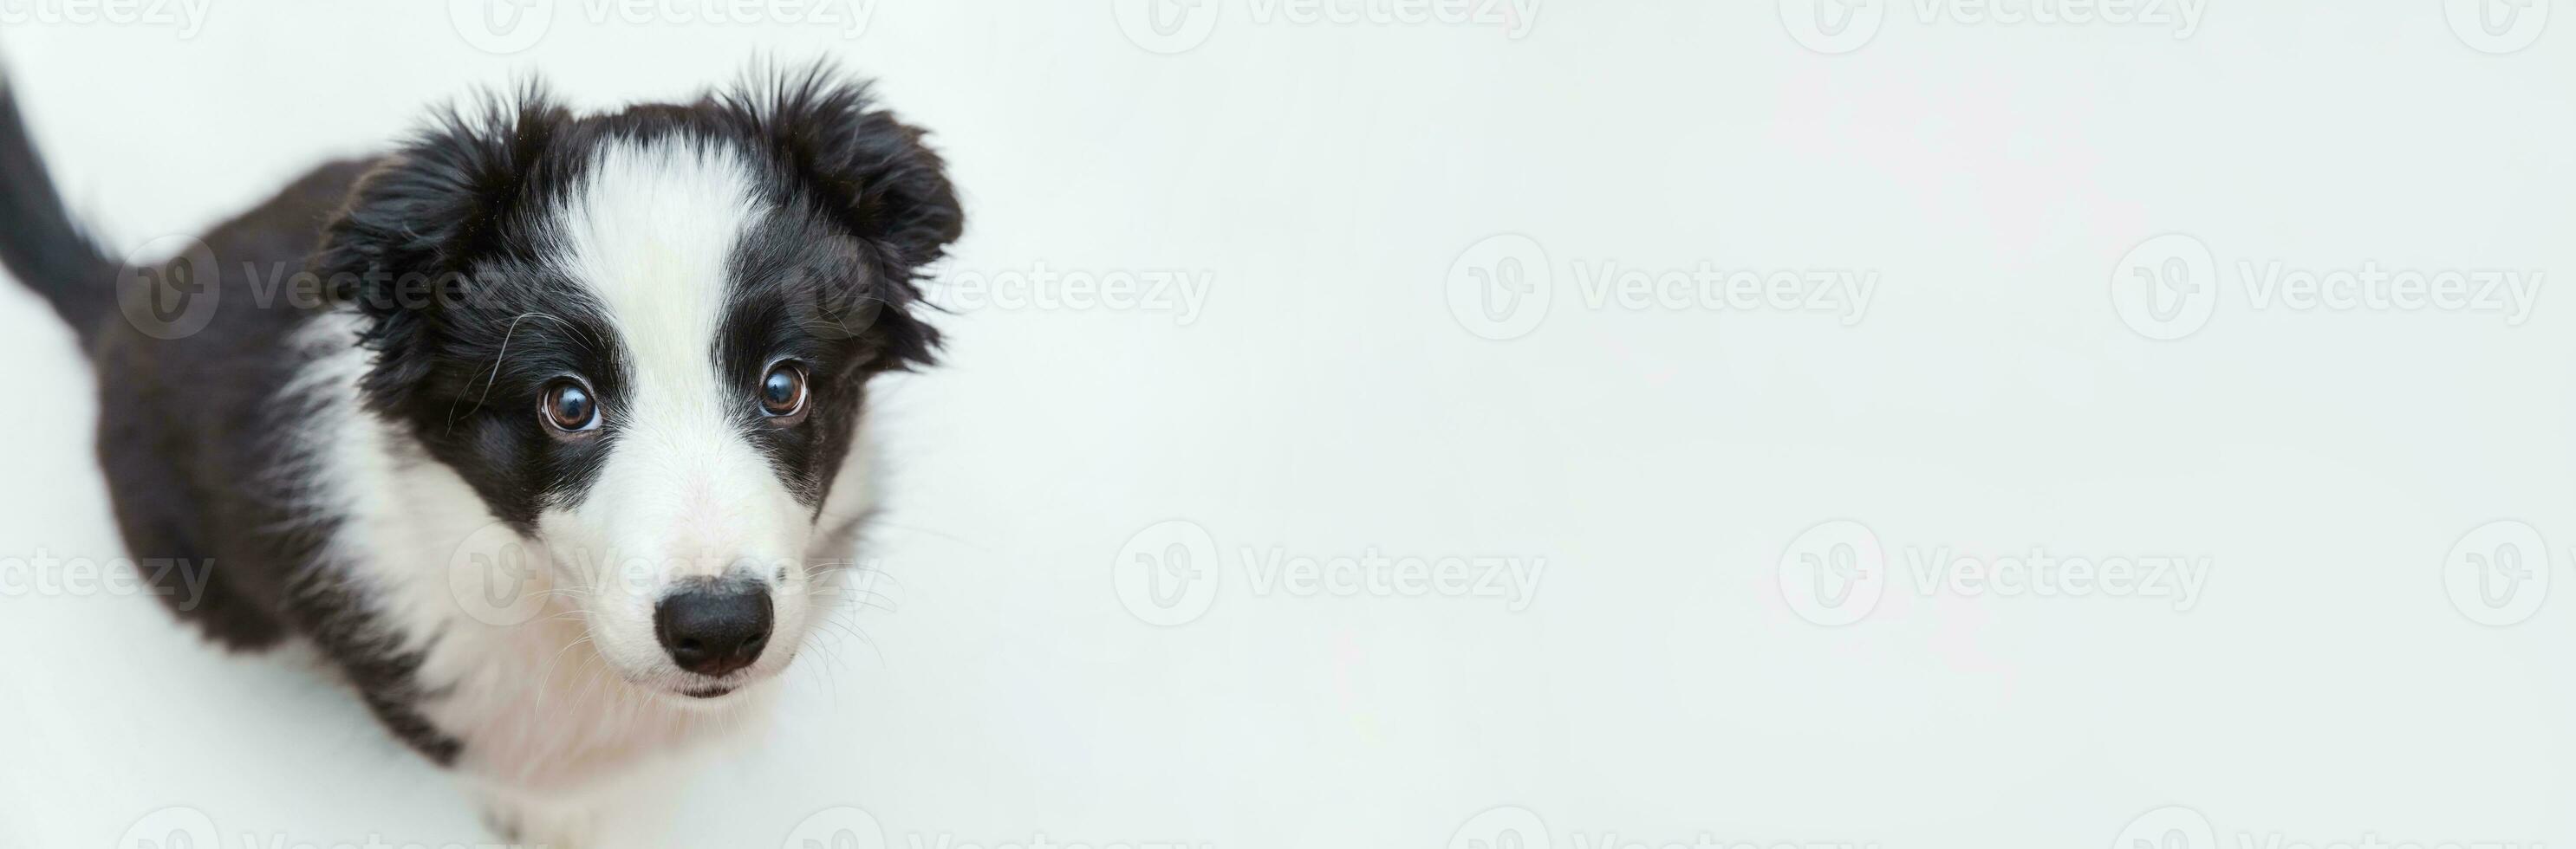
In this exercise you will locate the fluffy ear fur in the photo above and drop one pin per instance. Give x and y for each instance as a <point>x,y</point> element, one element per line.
<point>442,199</point>
<point>442,205</point>
<point>857,166</point>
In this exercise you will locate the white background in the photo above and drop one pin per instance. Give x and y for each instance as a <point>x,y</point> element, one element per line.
<point>1329,178</point>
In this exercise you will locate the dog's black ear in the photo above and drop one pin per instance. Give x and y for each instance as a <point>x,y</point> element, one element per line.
<point>404,245</point>
<point>859,167</point>
<point>442,199</point>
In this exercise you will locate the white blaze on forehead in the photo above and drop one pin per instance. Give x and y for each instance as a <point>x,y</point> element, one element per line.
<point>650,232</point>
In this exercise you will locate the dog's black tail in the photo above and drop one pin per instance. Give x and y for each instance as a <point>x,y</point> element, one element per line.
<point>39,243</point>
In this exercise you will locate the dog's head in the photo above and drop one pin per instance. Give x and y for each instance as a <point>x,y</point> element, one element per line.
<point>644,340</point>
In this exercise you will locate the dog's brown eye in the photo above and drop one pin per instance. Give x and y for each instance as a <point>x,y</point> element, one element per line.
<point>782,393</point>
<point>569,408</point>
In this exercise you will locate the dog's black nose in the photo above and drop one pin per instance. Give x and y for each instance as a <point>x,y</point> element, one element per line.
<point>713,628</point>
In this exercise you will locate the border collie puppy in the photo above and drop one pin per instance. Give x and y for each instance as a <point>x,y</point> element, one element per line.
<point>551,441</point>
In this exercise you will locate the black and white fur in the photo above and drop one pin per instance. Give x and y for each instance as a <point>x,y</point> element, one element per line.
<point>341,464</point>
